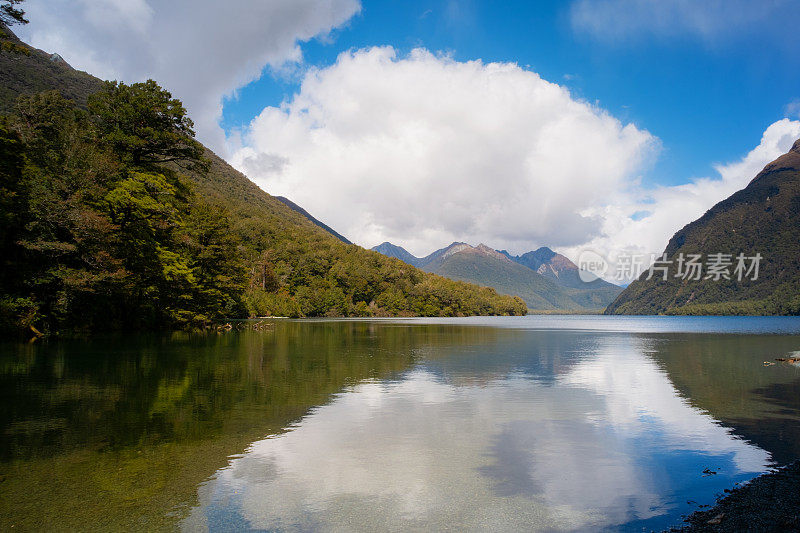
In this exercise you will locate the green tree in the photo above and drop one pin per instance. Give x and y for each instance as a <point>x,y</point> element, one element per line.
<point>11,208</point>
<point>15,311</point>
<point>147,210</point>
<point>91,240</point>
<point>10,14</point>
<point>217,265</point>
<point>145,126</point>
<point>60,238</point>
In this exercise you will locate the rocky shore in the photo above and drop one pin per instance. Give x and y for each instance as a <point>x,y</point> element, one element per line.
<point>771,502</point>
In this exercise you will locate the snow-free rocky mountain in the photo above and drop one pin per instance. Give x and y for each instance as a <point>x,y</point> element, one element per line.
<point>547,281</point>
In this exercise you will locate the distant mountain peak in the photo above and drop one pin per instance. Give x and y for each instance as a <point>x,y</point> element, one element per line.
<point>544,278</point>
<point>457,247</point>
<point>398,252</point>
<point>544,261</point>
<point>558,267</point>
<point>454,248</point>
<point>491,252</point>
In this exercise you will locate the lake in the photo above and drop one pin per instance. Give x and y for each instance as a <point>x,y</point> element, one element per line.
<point>506,424</point>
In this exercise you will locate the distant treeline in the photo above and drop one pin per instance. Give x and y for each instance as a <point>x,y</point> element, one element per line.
<point>106,221</point>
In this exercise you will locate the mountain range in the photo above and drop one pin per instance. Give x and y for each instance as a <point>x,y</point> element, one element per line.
<point>761,219</point>
<point>544,279</point>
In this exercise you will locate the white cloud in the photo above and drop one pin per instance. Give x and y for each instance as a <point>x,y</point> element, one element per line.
<point>711,21</point>
<point>668,209</point>
<point>200,50</point>
<point>425,150</point>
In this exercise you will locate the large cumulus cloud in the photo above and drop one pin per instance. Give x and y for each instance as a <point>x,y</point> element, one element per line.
<point>424,150</point>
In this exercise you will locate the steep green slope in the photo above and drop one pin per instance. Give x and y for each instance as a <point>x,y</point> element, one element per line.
<point>300,269</point>
<point>294,207</point>
<point>763,218</point>
<point>295,267</point>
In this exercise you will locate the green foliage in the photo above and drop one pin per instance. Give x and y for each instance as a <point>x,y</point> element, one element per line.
<point>10,14</point>
<point>92,240</point>
<point>143,125</point>
<point>10,199</point>
<point>331,279</point>
<point>8,46</point>
<point>18,313</point>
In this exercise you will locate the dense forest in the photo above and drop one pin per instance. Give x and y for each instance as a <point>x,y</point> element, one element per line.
<point>114,216</point>
<point>98,229</point>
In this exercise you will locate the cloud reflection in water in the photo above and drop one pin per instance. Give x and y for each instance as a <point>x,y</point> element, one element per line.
<point>535,431</point>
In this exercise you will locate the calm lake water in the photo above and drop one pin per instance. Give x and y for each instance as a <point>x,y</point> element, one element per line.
<point>505,424</point>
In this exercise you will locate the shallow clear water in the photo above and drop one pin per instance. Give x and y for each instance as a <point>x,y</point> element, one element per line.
<point>528,423</point>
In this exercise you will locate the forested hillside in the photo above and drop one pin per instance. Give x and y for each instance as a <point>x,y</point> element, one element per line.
<point>294,207</point>
<point>25,70</point>
<point>115,217</point>
<point>764,219</point>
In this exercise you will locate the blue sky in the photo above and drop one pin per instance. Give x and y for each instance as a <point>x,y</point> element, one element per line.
<point>707,100</point>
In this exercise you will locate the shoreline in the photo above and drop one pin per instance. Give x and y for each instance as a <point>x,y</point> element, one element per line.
<point>767,503</point>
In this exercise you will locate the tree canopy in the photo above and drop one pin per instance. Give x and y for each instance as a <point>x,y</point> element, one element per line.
<point>144,126</point>
<point>10,14</point>
<point>95,237</point>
